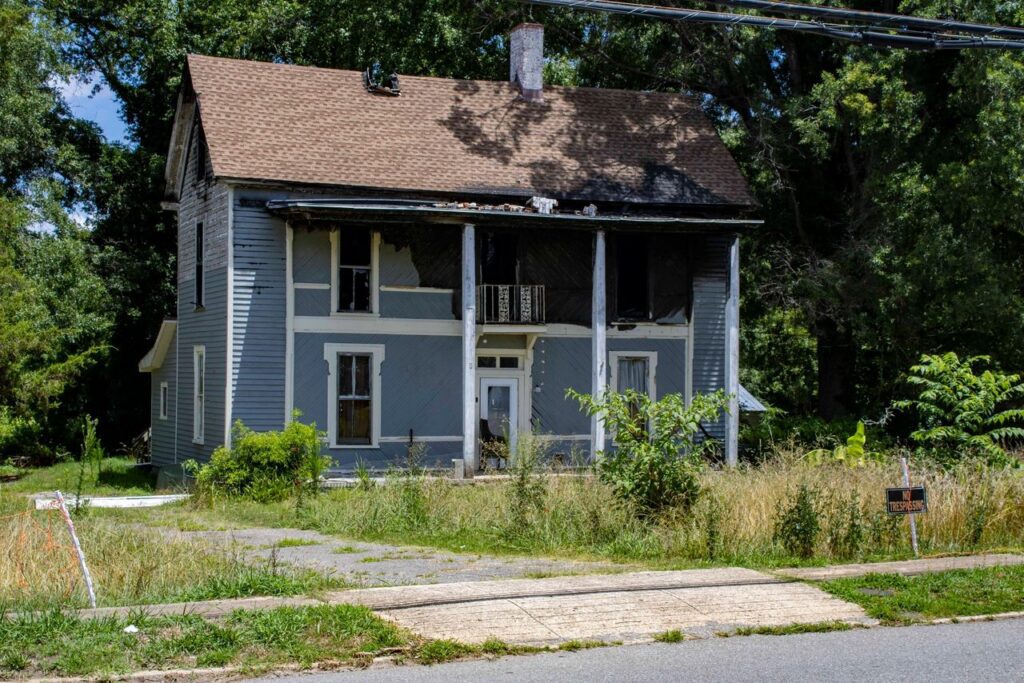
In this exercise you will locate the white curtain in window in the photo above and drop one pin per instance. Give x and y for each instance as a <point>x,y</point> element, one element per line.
<point>633,375</point>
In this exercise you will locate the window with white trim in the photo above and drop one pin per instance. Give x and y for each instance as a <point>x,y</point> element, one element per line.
<point>634,370</point>
<point>355,270</point>
<point>200,284</point>
<point>198,393</point>
<point>164,398</point>
<point>354,394</point>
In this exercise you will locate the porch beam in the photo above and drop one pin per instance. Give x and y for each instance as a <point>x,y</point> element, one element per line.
<point>469,347</point>
<point>732,356</point>
<point>599,340</point>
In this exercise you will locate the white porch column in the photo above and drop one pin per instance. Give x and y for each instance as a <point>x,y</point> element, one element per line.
<point>732,355</point>
<point>469,347</point>
<point>599,345</point>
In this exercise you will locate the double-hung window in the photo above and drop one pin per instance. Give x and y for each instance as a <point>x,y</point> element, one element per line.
<point>199,273</point>
<point>354,394</point>
<point>198,393</point>
<point>164,399</point>
<point>355,400</point>
<point>355,270</point>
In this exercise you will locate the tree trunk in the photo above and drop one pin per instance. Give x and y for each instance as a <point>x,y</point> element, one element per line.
<point>835,370</point>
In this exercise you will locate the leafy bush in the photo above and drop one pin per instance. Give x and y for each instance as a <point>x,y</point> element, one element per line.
<point>853,454</point>
<point>797,527</point>
<point>963,412</point>
<point>264,466</point>
<point>657,457</point>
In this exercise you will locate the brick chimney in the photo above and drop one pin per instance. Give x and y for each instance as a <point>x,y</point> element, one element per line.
<point>526,63</point>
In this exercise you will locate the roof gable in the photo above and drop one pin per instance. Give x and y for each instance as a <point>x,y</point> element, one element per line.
<point>292,124</point>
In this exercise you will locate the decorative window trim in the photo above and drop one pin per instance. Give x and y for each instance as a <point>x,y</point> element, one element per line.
<point>376,353</point>
<point>652,369</point>
<point>374,277</point>
<point>165,397</point>
<point>198,395</point>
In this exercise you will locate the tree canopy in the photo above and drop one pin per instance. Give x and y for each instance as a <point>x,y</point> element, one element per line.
<point>891,182</point>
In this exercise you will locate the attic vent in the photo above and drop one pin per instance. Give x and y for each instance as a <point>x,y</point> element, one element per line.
<point>374,82</point>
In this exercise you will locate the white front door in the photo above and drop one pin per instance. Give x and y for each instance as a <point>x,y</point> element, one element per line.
<point>499,409</point>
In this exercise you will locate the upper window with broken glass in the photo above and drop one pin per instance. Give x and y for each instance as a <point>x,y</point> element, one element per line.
<point>354,270</point>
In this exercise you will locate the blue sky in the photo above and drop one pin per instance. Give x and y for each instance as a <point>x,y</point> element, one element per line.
<point>101,108</point>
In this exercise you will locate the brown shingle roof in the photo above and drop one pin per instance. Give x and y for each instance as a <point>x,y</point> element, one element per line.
<point>295,124</point>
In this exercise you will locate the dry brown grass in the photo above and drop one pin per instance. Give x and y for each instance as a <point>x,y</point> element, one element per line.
<point>129,565</point>
<point>970,509</point>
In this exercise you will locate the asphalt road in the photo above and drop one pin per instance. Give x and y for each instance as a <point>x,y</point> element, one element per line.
<point>984,651</point>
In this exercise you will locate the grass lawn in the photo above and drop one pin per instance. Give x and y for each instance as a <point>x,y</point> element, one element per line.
<point>117,477</point>
<point>896,599</point>
<point>63,644</point>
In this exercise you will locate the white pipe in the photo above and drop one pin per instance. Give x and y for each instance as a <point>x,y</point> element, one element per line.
<point>732,353</point>
<point>469,347</point>
<point>599,343</point>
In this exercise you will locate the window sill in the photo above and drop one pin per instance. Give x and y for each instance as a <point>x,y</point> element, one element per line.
<point>354,315</point>
<point>352,446</point>
<point>198,442</point>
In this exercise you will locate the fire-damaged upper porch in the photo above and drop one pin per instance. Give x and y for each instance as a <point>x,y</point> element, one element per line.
<point>530,268</point>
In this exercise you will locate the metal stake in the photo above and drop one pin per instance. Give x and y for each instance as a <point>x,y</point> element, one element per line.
<point>913,522</point>
<point>78,549</point>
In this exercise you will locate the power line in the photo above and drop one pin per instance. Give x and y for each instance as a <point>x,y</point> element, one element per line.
<point>877,35</point>
<point>878,19</point>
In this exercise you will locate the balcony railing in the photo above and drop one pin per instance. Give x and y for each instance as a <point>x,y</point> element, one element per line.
<point>510,304</point>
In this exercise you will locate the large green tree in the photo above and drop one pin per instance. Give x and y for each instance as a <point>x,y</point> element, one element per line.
<point>54,312</point>
<point>890,182</point>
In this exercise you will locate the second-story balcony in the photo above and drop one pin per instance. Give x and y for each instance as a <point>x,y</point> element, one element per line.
<point>510,304</point>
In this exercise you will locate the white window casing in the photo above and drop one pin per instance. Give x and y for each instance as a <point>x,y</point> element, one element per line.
<point>164,399</point>
<point>331,353</point>
<point>374,277</point>
<point>652,365</point>
<point>198,394</point>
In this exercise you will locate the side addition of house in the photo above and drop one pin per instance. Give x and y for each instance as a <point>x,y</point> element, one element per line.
<point>438,261</point>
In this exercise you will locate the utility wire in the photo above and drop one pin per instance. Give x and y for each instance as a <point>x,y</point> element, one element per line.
<point>877,19</point>
<point>873,35</point>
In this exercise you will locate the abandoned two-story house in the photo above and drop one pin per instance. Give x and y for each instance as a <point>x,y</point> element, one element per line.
<point>438,261</point>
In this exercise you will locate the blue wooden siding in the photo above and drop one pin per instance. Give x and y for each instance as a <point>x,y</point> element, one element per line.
<point>205,201</point>
<point>311,256</point>
<point>313,302</point>
<point>258,324</point>
<point>421,390</point>
<point>560,363</point>
<point>162,431</point>
<point>419,305</point>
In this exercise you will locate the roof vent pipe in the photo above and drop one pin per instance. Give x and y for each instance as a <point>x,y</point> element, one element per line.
<point>526,63</point>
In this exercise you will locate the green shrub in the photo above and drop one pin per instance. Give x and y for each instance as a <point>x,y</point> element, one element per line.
<point>962,412</point>
<point>657,457</point>
<point>264,466</point>
<point>797,527</point>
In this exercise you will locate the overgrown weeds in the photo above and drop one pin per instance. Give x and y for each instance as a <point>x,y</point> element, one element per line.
<point>840,517</point>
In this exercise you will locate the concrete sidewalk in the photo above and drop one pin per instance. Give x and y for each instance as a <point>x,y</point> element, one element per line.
<point>625,607</point>
<point>613,608</point>
<point>904,567</point>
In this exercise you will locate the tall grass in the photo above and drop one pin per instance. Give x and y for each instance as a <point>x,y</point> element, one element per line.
<point>129,565</point>
<point>734,521</point>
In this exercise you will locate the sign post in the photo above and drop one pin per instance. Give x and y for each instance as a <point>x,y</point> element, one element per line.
<point>907,501</point>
